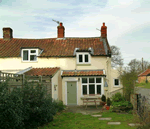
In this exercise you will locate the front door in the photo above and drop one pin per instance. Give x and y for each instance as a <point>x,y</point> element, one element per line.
<point>71,93</point>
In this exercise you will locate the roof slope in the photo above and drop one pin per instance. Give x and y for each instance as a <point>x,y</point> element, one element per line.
<point>42,71</point>
<point>53,47</point>
<point>67,73</point>
<point>146,72</point>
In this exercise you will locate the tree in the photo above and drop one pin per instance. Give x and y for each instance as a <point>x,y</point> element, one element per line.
<point>116,59</point>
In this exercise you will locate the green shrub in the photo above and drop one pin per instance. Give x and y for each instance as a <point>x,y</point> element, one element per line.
<point>26,107</point>
<point>118,97</point>
<point>122,105</point>
<point>108,101</point>
<point>103,98</point>
<point>11,115</point>
<point>58,105</point>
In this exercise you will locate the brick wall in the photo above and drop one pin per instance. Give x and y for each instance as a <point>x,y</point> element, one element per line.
<point>143,79</point>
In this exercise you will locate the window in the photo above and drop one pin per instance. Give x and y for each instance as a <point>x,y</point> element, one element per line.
<point>86,58</point>
<point>98,89</point>
<point>91,86</point>
<point>83,59</point>
<point>29,55</point>
<point>116,82</point>
<point>80,58</point>
<point>84,89</point>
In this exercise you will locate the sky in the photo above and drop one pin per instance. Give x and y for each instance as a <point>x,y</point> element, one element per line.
<point>127,21</point>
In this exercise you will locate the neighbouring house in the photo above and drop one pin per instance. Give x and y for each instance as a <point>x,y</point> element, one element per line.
<point>76,66</point>
<point>144,76</point>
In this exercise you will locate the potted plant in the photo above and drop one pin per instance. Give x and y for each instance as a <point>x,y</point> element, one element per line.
<point>103,102</point>
<point>108,103</point>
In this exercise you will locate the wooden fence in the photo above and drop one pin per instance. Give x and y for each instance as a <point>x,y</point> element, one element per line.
<point>18,80</point>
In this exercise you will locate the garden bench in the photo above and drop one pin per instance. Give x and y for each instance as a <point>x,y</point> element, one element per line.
<point>91,99</point>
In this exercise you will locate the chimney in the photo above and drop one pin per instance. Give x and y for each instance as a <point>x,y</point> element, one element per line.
<point>60,31</point>
<point>103,31</point>
<point>7,33</point>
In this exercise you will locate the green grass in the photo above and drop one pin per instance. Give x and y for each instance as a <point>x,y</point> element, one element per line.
<point>143,85</point>
<point>79,121</point>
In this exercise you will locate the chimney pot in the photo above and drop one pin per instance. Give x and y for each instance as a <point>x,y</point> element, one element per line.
<point>61,24</point>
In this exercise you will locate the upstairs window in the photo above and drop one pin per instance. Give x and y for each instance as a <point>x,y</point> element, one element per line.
<point>83,59</point>
<point>116,82</point>
<point>29,55</point>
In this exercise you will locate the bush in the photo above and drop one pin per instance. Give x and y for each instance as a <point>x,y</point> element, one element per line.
<point>103,98</point>
<point>26,107</point>
<point>108,102</point>
<point>122,105</point>
<point>58,105</point>
<point>118,97</point>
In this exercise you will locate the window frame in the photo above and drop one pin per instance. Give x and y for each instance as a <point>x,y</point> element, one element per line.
<point>114,82</point>
<point>83,58</point>
<point>87,84</point>
<point>29,54</point>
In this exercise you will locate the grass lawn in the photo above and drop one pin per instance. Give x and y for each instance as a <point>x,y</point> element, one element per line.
<point>79,121</point>
<point>143,85</point>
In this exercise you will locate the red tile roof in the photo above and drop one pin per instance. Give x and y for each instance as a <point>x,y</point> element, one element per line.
<point>145,73</point>
<point>42,71</point>
<point>67,73</point>
<point>52,46</point>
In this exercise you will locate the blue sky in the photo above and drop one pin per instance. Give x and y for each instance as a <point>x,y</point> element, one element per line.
<point>127,21</point>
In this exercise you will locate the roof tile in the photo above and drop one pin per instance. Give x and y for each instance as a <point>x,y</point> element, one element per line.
<point>42,71</point>
<point>51,46</point>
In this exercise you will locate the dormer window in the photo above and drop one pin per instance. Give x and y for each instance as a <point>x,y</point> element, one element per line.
<point>29,55</point>
<point>83,58</point>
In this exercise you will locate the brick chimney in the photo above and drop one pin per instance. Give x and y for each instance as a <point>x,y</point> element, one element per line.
<point>60,31</point>
<point>7,33</point>
<point>103,31</point>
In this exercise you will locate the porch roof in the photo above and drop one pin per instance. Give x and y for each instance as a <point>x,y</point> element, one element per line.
<point>76,73</point>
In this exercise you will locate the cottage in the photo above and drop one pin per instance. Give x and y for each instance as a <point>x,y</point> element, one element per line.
<point>77,66</point>
<point>142,77</point>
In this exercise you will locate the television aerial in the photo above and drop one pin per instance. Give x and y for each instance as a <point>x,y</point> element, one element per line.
<point>98,29</point>
<point>56,21</point>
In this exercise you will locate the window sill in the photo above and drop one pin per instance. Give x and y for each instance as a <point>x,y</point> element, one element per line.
<point>117,86</point>
<point>29,61</point>
<point>83,64</point>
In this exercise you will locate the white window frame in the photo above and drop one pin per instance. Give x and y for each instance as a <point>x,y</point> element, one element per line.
<point>114,82</point>
<point>83,58</point>
<point>92,83</point>
<point>29,53</point>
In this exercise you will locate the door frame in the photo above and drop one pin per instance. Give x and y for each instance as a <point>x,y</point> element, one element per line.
<point>66,89</point>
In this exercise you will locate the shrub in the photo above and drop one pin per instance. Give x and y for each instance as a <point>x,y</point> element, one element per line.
<point>118,97</point>
<point>103,98</point>
<point>58,105</point>
<point>122,105</point>
<point>26,107</point>
<point>108,102</point>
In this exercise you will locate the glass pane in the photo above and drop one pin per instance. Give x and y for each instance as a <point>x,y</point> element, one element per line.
<point>25,55</point>
<point>80,58</point>
<point>98,89</point>
<point>91,80</point>
<point>84,89</point>
<point>91,89</point>
<point>32,57</point>
<point>116,82</point>
<point>98,80</point>
<point>33,51</point>
<point>84,80</point>
<point>86,58</point>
